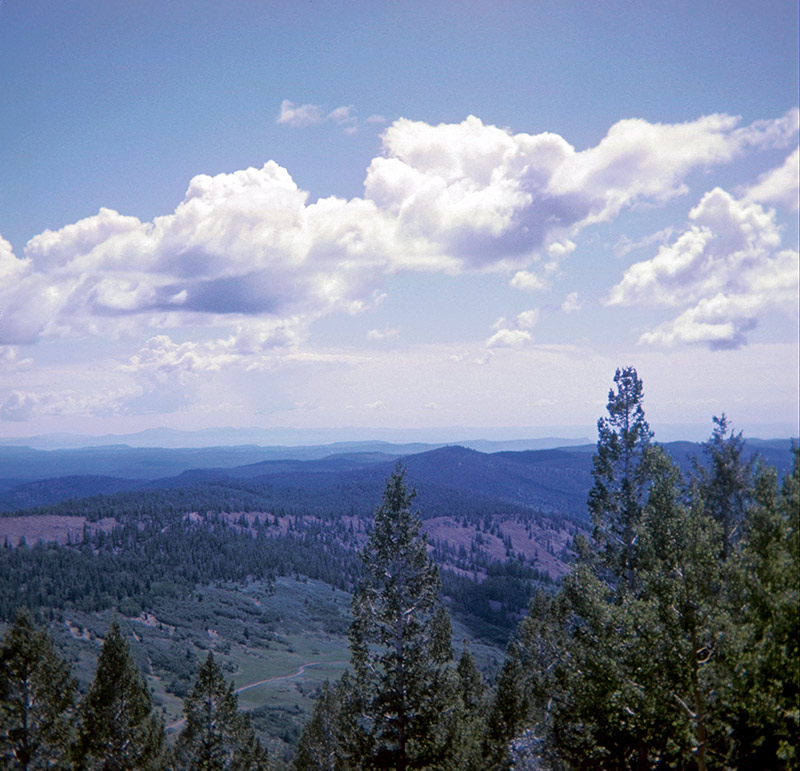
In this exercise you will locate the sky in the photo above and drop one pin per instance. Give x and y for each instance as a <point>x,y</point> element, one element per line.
<point>397,215</point>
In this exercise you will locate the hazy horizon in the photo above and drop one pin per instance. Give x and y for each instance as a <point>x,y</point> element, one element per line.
<point>397,216</point>
<point>222,436</point>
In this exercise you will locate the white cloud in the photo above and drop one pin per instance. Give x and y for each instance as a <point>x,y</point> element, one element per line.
<point>561,249</point>
<point>779,186</point>
<point>509,338</point>
<point>641,161</point>
<point>11,268</point>
<point>451,198</point>
<point>514,333</point>
<point>571,303</point>
<point>253,344</point>
<point>346,118</point>
<point>10,359</point>
<point>299,116</point>
<point>387,333</point>
<point>24,406</point>
<point>728,265</point>
<point>528,319</point>
<point>527,281</point>
<point>625,245</point>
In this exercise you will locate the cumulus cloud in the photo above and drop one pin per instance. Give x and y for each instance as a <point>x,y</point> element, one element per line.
<point>514,333</point>
<point>10,359</point>
<point>571,303</point>
<point>626,245</point>
<point>527,281</point>
<point>252,345</point>
<point>728,265</point>
<point>641,161</point>
<point>345,117</point>
<point>509,338</point>
<point>528,319</point>
<point>299,116</point>
<point>452,198</point>
<point>779,186</point>
<point>26,405</point>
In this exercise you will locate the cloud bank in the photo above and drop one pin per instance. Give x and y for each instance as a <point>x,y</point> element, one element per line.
<point>249,250</point>
<point>727,266</point>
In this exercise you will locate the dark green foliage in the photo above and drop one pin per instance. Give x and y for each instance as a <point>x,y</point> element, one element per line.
<point>401,707</point>
<point>764,690</point>
<point>621,474</point>
<point>119,730</point>
<point>216,735</point>
<point>673,641</point>
<point>37,695</point>
<point>493,607</point>
<point>400,639</point>
<point>528,680</point>
<point>467,721</point>
<point>160,558</point>
<point>319,748</point>
<point>726,485</point>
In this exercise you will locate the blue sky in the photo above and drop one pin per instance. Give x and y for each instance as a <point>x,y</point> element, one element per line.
<point>397,215</point>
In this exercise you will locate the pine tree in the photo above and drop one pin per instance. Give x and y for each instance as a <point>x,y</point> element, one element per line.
<point>468,719</point>
<point>400,640</point>
<point>621,474</point>
<point>763,689</point>
<point>684,619</point>
<point>319,748</point>
<point>726,484</point>
<point>37,699</point>
<point>217,736</point>
<point>119,729</point>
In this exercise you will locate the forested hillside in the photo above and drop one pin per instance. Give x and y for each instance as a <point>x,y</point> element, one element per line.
<point>646,595</point>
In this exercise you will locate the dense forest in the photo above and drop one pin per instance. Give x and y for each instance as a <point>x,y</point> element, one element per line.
<point>671,642</point>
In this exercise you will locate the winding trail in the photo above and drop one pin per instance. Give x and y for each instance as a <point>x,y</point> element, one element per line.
<point>300,670</point>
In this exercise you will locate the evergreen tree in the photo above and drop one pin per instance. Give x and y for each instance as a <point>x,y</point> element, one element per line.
<point>319,748</point>
<point>119,729</point>
<point>37,697</point>
<point>400,640</point>
<point>468,719</point>
<point>763,689</point>
<point>685,619</point>
<point>726,484</point>
<point>527,684</point>
<point>216,736</point>
<point>621,474</point>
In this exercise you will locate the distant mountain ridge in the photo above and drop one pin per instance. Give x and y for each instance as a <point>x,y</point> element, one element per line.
<point>19,464</point>
<point>551,482</point>
<point>292,438</point>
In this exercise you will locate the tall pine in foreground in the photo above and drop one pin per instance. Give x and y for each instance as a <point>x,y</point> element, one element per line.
<point>37,699</point>
<point>400,640</point>
<point>672,643</point>
<point>119,729</point>
<point>319,746</point>
<point>725,482</point>
<point>621,474</point>
<point>400,706</point>
<point>216,736</point>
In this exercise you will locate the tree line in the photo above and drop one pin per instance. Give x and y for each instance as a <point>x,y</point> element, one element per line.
<point>672,643</point>
<point>115,726</point>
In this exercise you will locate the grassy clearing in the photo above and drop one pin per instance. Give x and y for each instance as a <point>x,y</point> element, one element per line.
<point>283,640</point>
